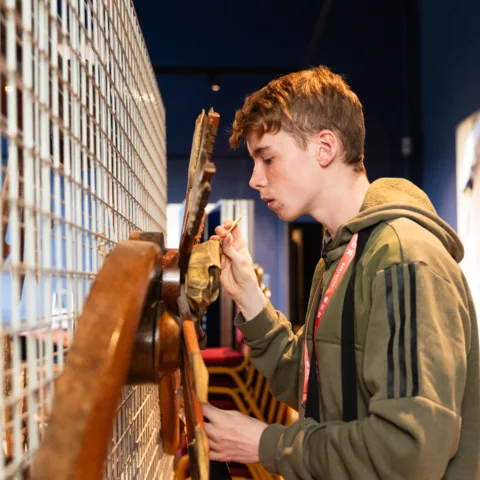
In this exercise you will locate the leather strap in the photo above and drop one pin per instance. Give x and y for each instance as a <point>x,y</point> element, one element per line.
<point>349,363</point>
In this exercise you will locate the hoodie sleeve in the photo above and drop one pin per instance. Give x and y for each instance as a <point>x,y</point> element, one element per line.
<point>275,351</point>
<point>415,370</point>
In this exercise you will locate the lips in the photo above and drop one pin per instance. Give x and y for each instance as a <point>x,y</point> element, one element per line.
<point>269,202</point>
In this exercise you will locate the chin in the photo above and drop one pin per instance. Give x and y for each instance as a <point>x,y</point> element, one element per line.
<point>287,216</point>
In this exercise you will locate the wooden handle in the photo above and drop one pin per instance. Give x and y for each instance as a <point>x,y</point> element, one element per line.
<point>232,226</point>
<point>169,408</point>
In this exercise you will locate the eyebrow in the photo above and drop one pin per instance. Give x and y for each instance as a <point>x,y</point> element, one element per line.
<point>260,150</point>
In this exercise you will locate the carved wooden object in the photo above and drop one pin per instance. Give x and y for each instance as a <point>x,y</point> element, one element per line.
<point>203,277</point>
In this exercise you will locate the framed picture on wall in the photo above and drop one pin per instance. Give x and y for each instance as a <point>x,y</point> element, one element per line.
<point>468,199</point>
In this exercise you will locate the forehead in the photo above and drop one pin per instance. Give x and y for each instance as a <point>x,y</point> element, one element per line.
<point>257,143</point>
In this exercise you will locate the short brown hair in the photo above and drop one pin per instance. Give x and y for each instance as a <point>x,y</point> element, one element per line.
<point>302,104</point>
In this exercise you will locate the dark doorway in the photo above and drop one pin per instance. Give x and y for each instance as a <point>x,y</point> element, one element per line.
<point>304,251</point>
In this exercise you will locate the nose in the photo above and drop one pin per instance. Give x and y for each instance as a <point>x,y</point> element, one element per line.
<point>258,179</point>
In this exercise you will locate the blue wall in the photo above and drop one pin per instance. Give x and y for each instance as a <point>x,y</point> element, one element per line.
<point>450,73</point>
<point>364,45</point>
<point>368,49</point>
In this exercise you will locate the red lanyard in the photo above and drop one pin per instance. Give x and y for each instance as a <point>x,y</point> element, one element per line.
<point>337,277</point>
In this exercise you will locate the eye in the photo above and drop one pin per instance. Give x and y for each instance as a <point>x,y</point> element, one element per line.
<point>268,161</point>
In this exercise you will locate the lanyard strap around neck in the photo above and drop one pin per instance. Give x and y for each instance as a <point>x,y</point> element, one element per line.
<point>349,373</point>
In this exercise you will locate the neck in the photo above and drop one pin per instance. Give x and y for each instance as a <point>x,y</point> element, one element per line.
<point>341,199</point>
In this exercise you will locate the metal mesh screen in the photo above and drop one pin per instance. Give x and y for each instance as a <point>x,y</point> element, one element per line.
<point>82,164</point>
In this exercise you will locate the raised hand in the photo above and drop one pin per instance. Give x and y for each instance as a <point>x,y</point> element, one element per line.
<point>238,274</point>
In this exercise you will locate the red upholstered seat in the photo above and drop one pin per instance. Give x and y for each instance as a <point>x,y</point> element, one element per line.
<point>222,357</point>
<point>236,470</point>
<point>239,470</point>
<point>223,381</point>
<point>223,403</point>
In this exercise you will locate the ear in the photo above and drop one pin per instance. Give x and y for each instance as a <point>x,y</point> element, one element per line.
<point>328,146</point>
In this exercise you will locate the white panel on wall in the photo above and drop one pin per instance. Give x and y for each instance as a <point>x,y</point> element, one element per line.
<point>468,200</point>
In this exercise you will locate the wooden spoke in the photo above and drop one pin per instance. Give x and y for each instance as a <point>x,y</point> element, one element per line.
<point>201,172</point>
<point>168,386</point>
<point>88,391</point>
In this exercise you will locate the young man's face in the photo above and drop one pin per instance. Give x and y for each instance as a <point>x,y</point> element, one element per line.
<point>284,174</point>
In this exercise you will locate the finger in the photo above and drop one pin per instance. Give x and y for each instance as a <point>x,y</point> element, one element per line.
<point>219,457</point>
<point>220,231</point>
<point>215,238</point>
<point>212,445</point>
<point>211,431</point>
<point>236,233</point>
<point>210,412</point>
<point>225,260</point>
<point>229,250</point>
<point>228,238</point>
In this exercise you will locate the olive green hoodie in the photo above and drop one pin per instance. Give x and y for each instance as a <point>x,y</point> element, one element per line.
<point>416,342</point>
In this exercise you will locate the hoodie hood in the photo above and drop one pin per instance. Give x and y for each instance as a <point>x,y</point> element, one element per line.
<point>390,198</point>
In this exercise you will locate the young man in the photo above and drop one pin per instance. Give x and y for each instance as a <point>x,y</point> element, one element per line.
<point>387,386</point>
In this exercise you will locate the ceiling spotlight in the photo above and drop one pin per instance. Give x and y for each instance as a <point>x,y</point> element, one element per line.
<point>214,84</point>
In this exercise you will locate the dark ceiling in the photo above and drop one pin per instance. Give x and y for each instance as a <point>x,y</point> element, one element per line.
<point>244,45</point>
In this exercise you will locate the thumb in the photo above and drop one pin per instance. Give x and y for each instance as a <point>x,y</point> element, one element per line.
<point>210,412</point>
<point>229,250</point>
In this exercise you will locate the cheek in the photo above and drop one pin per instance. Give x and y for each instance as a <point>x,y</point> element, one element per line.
<point>297,187</point>
<point>289,183</point>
